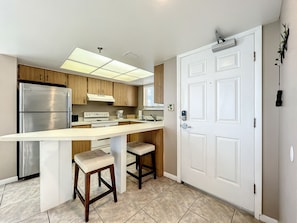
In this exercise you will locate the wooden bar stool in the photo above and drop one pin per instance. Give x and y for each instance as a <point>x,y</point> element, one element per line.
<point>140,149</point>
<point>91,162</point>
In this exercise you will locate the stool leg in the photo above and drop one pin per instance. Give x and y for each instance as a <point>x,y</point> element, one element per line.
<point>154,163</point>
<point>87,196</point>
<point>76,170</point>
<point>99,178</point>
<point>111,169</point>
<point>139,171</point>
<point>137,163</point>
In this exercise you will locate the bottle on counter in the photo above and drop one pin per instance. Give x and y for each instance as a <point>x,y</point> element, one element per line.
<point>140,115</point>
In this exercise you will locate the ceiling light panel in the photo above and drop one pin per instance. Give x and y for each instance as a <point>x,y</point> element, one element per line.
<point>79,67</point>
<point>87,57</point>
<point>140,73</point>
<point>87,62</point>
<point>126,78</point>
<point>105,73</point>
<point>119,67</point>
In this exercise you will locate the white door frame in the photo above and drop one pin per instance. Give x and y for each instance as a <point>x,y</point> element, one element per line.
<point>258,113</point>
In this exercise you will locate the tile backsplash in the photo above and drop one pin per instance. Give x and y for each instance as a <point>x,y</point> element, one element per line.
<point>102,107</point>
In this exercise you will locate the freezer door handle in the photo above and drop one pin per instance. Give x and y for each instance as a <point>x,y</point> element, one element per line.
<point>69,105</point>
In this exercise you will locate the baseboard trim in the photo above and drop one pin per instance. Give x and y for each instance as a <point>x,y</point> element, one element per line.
<point>267,219</point>
<point>8,180</point>
<point>170,176</point>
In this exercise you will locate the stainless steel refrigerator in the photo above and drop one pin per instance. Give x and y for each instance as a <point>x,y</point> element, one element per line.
<point>40,107</point>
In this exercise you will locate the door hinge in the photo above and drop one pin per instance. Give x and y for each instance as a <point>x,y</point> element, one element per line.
<point>254,188</point>
<point>254,55</point>
<point>255,122</point>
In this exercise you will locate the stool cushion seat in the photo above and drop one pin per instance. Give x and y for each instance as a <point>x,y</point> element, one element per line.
<point>140,148</point>
<point>93,160</point>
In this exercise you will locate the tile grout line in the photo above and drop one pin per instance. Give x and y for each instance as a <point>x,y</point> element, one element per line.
<point>233,215</point>
<point>158,195</point>
<point>48,217</point>
<point>189,210</point>
<point>95,209</point>
<point>2,195</point>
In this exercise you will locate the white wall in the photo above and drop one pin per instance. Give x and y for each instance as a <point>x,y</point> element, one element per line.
<point>270,121</point>
<point>8,116</point>
<point>170,117</point>
<point>288,119</point>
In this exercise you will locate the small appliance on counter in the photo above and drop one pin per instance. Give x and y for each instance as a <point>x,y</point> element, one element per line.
<point>140,116</point>
<point>120,114</point>
<point>74,118</point>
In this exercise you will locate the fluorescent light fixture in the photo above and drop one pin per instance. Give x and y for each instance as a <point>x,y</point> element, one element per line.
<point>125,78</point>
<point>88,57</point>
<point>79,67</point>
<point>140,73</point>
<point>87,62</point>
<point>105,73</point>
<point>119,67</point>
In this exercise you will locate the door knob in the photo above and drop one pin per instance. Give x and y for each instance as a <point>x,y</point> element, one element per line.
<point>185,126</point>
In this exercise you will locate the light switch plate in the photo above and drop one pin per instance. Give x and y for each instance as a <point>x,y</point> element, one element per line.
<point>170,107</point>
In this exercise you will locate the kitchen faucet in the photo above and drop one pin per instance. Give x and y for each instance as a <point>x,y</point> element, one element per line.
<point>154,117</point>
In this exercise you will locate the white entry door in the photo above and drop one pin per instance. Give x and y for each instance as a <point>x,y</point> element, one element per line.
<point>217,139</point>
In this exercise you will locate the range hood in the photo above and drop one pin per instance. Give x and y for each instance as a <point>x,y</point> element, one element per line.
<point>100,97</point>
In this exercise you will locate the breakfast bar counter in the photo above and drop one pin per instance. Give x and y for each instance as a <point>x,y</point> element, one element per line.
<point>55,155</point>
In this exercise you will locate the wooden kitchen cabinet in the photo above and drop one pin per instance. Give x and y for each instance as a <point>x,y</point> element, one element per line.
<point>97,86</point>
<point>27,73</point>
<point>125,95</point>
<point>80,146</point>
<point>124,123</point>
<point>106,87</point>
<point>34,74</point>
<point>54,77</point>
<point>79,87</point>
<point>119,92</point>
<point>132,96</point>
<point>159,84</point>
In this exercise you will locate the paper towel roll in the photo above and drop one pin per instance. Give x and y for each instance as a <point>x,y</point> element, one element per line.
<point>140,114</point>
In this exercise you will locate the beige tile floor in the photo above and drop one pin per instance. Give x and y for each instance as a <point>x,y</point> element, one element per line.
<point>160,200</point>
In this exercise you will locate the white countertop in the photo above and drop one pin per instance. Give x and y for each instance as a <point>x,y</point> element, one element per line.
<point>83,133</point>
<point>117,120</point>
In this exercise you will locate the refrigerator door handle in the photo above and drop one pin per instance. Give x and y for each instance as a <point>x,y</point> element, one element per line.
<point>69,105</point>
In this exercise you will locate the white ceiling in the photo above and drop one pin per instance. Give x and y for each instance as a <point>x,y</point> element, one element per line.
<point>142,33</point>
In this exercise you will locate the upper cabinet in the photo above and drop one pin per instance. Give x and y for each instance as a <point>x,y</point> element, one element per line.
<point>34,74</point>
<point>26,73</point>
<point>55,77</point>
<point>132,96</point>
<point>158,84</point>
<point>125,95</point>
<point>79,87</point>
<point>97,86</point>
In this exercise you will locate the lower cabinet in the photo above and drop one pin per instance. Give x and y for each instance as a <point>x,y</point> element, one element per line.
<point>80,146</point>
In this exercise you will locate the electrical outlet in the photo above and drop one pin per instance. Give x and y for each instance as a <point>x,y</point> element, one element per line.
<point>170,107</point>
